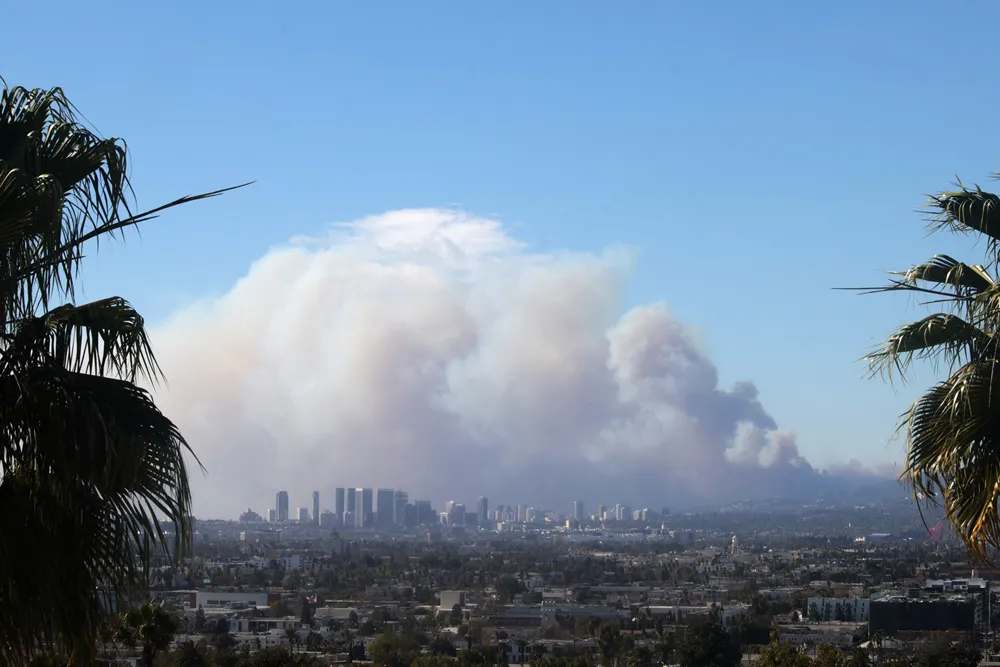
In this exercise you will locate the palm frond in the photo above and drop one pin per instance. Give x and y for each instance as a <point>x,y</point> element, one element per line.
<point>105,337</point>
<point>953,451</point>
<point>945,270</point>
<point>89,467</point>
<point>967,210</point>
<point>940,334</point>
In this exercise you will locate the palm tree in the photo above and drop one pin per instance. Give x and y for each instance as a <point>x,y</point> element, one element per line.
<point>953,429</point>
<point>89,467</point>
<point>189,654</point>
<point>150,627</point>
<point>292,635</point>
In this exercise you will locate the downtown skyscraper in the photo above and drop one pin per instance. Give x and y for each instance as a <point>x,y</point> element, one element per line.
<point>482,509</point>
<point>338,499</point>
<point>281,505</point>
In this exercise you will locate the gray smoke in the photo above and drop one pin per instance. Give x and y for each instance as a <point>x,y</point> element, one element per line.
<point>428,350</point>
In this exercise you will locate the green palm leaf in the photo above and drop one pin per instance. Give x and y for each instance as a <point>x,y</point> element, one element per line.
<point>938,335</point>
<point>90,467</point>
<point>968,210</point>
<point>953,429</point>
<point>944,270</point>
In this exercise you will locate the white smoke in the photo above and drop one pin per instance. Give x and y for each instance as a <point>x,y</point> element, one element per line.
<point>428,350</point>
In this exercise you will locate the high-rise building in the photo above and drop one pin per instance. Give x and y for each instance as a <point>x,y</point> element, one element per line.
<point>272,515</point>
<point>578,510</point>
<point>338,499</point>
<point>328,519</point>
<point>455,513</point>
<point>601,511</point>
<point>482,507</point>
<point>363,509</point>
<point>522,513</point>
<point>303,514</point>
<point>425,513</point>
<point>400,500</point>
<point>281,505</point>
<point>316,507</point>
<point>352,505</point>
<point>385,507</point>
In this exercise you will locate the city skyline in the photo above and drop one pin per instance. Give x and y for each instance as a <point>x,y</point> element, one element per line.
<point>514,298</point>
<point>344,500</point>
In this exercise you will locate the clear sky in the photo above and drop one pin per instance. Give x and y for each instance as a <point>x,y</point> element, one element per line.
<point>757,153</point>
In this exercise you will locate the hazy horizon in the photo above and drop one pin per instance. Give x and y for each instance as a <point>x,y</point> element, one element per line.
<point>429,350</point>
<point>593,246</point>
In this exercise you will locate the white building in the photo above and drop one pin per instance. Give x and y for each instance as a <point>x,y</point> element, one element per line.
<point>224,599</point>
<point>838,609</point>
<point>297,562</point>
<point>260,535</point>
<point>451,598</point>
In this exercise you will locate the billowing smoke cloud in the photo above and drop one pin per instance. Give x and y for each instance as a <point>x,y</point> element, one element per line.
<point>428,350</point>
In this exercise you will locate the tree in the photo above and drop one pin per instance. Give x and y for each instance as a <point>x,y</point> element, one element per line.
<point>953,429</point>
<point>707,644</point>
<point>456,614</point>
<point>828,655</point>
<point>223,641</point>
<point>149,627</point>
<point>189,654</point>
<point>392,650</point>
<point>640,656</point>
<point>292,635</point>
<point>507,587</point>
<point>610,644</point>
<point>434,660</point>
<point>221,627</point>
<point>440,645</point>
<point>199,620</point>
<point>314,642</point>
<point>90,466</point>
<point>475,634</point>
<point>537,652</point>
<point>946,654</point>
<point>777,654</point>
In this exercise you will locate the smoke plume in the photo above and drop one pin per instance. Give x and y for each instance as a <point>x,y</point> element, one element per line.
<point>430,351</point>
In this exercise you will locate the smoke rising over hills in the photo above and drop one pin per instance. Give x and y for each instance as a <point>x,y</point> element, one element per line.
<point>427,349</point>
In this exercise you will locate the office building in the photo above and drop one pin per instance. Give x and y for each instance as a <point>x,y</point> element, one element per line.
<point>456,514</point>
<point>400,500</point>
<point>351,504</point>
<point>482,508</point>
<point>272,515</point>
<point>328,520</point>
<point>385,507</point>
<point>578,510</point>
<point>363,510</point>
<point>303,514</point>
<point>338,502</point>
<point>316,507</point>
<point>281,505</point>
<point>425,514</point>
<point>522,513</point>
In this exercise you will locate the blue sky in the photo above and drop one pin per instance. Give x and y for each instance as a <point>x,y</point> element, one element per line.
<point>757,153</point>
